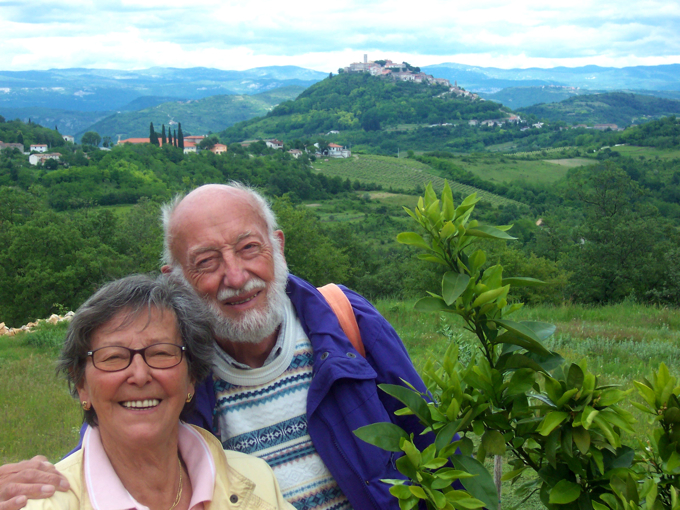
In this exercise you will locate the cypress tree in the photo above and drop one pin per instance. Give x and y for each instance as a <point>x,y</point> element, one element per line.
<point>170,136</point>
<point>163,139</point>
<point>175,141</point>
<point>180,139</point>
<point>153,137</point>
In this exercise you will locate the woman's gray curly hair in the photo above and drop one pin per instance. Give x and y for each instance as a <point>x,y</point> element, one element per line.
<point>132,296</point>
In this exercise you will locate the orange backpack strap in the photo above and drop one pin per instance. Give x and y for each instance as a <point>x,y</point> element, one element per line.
<point>343,309</point>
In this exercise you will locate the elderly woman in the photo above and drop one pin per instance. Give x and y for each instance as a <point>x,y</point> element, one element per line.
<point>132,355</point>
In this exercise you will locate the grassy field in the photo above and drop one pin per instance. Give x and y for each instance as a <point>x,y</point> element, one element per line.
<point>622,343</point>
<point>632,151</point>
<point>497,168</point>
<point>396,173</point>
<point>37,413</point>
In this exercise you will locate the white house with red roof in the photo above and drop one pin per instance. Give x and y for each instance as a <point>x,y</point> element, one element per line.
<point>338,151</point>
<point>38,147</point>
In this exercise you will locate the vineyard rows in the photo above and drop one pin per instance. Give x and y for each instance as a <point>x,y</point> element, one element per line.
<point>399,174</point>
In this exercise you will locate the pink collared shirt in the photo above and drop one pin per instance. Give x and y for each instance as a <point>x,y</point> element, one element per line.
<point>106,491</point>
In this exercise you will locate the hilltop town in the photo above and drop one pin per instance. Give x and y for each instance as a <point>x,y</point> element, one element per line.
<point>403,72</point>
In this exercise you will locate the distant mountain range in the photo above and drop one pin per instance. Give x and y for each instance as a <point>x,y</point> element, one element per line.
<point>490,79</point>
<point>106,90</point>
<point>124,102</point>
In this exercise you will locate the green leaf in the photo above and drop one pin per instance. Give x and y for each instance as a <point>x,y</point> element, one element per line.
<point>522,335</point>
<point>589,415</point>
<point>448,209</point>
<point>611,396</point>
<point>575,377</point>
<point>489,295</point>
<point>453,285</point>
<point>542,330</point>
<point>413,239</point>
<point>564,492</point>
<point>582,439</point>
<point>417,491</point>
<point>493,442</point>
<point>410,399</point>
<point>566,396</point>
<point>430,195</point>
<point>551,420</point>
<point>521,382</point>
<point>400,491</point>
<point>476,260</point>
<point>412,453</point>
<point>647,393</point>
<point>431,304</point>
<point>511,475</point>
<point>489,232</point>
<point>481,486</point>
<point>446,433</point>
<point>521,281</point>
<point>383,435</point>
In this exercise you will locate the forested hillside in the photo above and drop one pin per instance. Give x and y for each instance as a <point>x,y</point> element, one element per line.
<point>608,226</point>
<point>618,108</point>
<point>356,104</point>
<point>198,116</point>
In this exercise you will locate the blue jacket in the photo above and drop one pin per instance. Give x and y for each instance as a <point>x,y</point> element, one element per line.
<point>343,394</point>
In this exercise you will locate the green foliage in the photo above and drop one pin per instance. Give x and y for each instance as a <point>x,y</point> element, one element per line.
<point>91,138</point>
<point>620,108</point>
<point>517,396</point>
<point>47,336</point>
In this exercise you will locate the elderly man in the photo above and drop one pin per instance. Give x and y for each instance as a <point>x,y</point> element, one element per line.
<point>287,384</point>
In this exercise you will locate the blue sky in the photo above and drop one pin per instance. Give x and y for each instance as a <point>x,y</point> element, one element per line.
<point>136,34</point>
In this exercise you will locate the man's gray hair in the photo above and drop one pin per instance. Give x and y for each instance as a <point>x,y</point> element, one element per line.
<point>132,296</point>
<point>263,205</point>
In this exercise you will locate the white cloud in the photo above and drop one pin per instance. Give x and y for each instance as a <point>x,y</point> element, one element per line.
<point>132,34</point>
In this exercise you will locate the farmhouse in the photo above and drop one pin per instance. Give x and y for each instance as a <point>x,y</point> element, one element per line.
<point>338,151</point>
<point>218,148</point>
<point>38,147</point>
<point>18,146</point>
<point>274,144</point>
<point>36,159</point>
<point>68,138</point>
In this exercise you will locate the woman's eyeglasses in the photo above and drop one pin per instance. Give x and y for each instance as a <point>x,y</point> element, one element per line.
<point>115,358</point>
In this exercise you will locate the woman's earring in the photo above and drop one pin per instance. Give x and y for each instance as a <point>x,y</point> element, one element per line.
<point>189,397</point>
<point>86,405</point>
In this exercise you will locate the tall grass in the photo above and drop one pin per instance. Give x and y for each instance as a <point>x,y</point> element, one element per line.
<point>37,413</point>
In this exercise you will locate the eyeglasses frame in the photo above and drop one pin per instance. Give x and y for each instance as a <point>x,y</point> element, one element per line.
<point>141,352</point>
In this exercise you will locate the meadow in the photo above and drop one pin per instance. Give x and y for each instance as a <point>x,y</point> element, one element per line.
<point>397,174</point>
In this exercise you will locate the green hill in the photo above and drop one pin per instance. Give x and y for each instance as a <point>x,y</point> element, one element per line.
<point>365,110</point>
<point>198,116</point>
<point>620,108</point>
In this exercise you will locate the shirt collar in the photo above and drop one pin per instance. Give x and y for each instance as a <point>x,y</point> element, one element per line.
<point>106,491</point>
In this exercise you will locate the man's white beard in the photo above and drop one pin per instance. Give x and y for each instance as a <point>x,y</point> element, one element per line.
<point>255,325</point>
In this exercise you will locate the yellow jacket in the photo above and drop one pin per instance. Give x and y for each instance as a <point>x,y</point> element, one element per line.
<point>242,482</point>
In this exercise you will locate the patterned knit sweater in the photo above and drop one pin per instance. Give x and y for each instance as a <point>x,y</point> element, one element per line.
<point>262,412</point>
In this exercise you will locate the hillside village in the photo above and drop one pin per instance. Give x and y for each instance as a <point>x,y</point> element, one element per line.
<point>404,72</point>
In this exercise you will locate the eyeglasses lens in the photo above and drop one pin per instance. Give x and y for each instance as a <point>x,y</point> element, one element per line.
<point>111,359</point>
